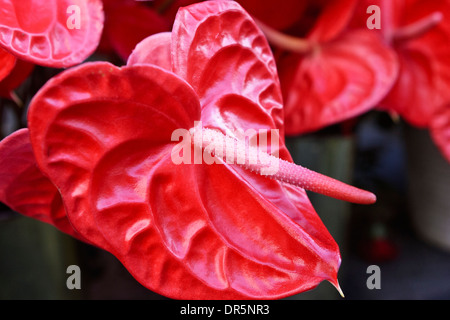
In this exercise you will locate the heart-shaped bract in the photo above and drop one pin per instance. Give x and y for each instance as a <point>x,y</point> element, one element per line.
<point>103,136</point>
<point>418,31</point>
<point>332,74</point>
<point>55,33</point>
<point>181,230</point>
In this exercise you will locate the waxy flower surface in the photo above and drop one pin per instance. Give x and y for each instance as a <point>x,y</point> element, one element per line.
<point>102,141</point>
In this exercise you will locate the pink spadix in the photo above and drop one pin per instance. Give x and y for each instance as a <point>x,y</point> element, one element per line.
<point>253,158</point>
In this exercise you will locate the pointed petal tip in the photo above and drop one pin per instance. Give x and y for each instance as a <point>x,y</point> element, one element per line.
<point>335,283</point>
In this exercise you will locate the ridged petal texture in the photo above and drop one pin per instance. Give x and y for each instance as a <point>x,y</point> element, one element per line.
<point>102,135</point>
<point>25,189</point>
<point>54,33</point>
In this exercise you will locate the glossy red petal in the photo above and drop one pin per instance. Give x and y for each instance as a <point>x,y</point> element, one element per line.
<point>25,189</point>
<point>155,50</point>
<point>51,33</point>
<point>103,135</point>
<point>245,247</point>
<point>440,129</point>
<point>341,80</point>
<point>221,52</point>
<point>415,94</point>
<point>129,22</point>
<point>424,79</point>
<point>88,110</point>
<point>7,62</point>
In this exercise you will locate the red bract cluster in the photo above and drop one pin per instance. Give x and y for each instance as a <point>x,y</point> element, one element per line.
<point>43,32</point>
<point>96,159</point>
<point>38,33</point>
<point>419,32</point>
<point>334,65</point>
<point>329,72</point>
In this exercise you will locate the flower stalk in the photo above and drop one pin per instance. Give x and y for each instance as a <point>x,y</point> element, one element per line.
<point>255,159</point>
<point>418,28</point>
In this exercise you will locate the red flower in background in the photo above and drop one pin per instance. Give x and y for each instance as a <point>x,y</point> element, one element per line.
<point>328,72</point>
<point>102,140</point>
<point>419,32</point>
<point>36,33</point>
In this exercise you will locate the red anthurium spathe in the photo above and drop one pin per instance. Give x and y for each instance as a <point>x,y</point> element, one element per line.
<point>331,74</point>
<point>23,186</point>
<point>57,33</point>
<point>419,32</point>
<point>106,137</point>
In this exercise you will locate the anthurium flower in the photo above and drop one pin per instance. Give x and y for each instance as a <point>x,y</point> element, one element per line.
<point>19,175</point>
<point>329,73</point>
<point>57,33</point>
<point>104,137</point>
<point>419,32</point>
